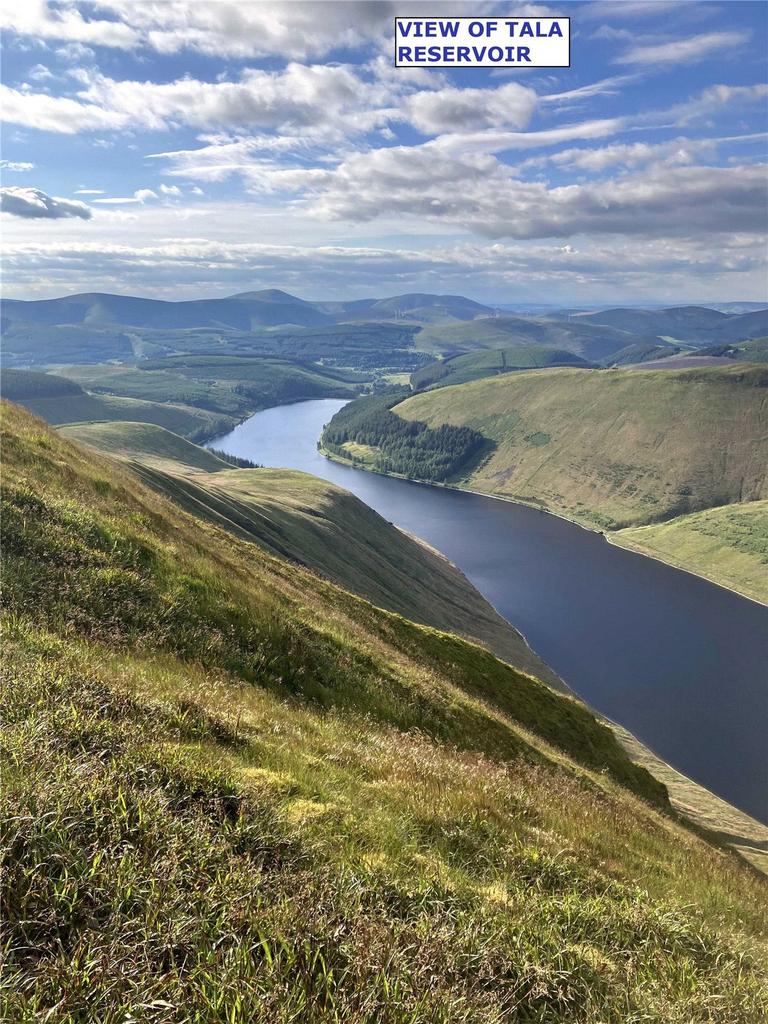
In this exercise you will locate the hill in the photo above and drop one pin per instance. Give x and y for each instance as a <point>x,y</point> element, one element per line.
<point>240,790</point>
<point>693,324</point>
<point>728,544</point>
<point>592,342</point>
<point>753,351</point>
<point>58,400</point>
<point>312,522</point>
<point>613,448</point>
<point>233,385</point>
<point>241,312</point>
<point>489,363</point>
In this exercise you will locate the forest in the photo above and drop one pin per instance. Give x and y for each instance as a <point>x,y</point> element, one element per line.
<point>400,446</point>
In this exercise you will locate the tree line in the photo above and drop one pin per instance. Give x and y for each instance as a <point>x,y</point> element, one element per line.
<point>407,447</point>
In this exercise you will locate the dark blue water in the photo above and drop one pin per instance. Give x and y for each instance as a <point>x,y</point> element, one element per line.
<point>680,662</point>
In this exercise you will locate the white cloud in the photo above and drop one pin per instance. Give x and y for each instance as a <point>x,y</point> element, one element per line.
<point>32,203</point>
<point>39,73</point>
<point>633,154</point>
<point>476,192</point>
<point>16,165</point>
<point>628,9</point>
<point>39,19</point>
<point>682,51</point>
<point>56,113</point>
<point>586,271</point>
<point>448,110</point>
<point>605,87</point>
<point>229,28</point>
<point>711,101</point>
<point>316,101</point>
<point>170,190</point>
<point>89,192</point>
<point>141,195</point>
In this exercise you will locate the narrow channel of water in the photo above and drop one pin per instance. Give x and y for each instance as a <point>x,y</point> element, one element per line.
<point>680,662</point>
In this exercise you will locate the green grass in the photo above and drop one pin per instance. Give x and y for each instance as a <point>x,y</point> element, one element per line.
<point>144,441</point>
<point>234,792</point>
<point>84,408</point>
<point>305,519</point>
<point>226,384</point>
<point>625,447</point>
<point>490,363</point>
<point>17,385</point>
<point>728,544</point>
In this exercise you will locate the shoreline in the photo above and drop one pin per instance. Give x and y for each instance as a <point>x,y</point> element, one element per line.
<point>607,535</point>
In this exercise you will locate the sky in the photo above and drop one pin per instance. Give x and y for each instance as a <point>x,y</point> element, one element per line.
<point>196,148</point>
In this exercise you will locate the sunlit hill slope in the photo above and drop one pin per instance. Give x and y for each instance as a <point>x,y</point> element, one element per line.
<point>235,792</point>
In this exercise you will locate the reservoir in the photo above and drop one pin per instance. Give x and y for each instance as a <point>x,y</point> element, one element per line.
<point>682,663</point>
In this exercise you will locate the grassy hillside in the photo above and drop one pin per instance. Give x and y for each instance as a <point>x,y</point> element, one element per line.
<point>592,342</point>
<point>145,442</point>
<point>614,448</point>
<point>231,385</point>
<point>234,788</point>
<point>311,521</point>
<point>58,400</point>
<point>728,544</point>
<point>489,363</point>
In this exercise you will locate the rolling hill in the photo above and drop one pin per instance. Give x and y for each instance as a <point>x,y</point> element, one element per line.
<point>614,448</point>
<point>692,324</point>
<point>672,461</point>
<point>490,363</point>
<point>312,522</point>
<point>399,331</point>
<point>58,400</point>
<point>196,396</point>
<point>319,809</point>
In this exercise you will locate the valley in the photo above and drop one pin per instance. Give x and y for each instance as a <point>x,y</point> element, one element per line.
<point>326,766</point>
<point>276,630</point>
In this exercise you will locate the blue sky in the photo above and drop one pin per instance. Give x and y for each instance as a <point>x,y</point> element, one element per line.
<point>190,148</point>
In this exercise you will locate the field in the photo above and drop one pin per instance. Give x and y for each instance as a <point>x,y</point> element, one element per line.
<point>234,788</point>
<point>728,544</point>
<point>614,448</point>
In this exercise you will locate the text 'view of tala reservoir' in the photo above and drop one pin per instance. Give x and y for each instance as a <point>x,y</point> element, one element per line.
<point>678,661</point>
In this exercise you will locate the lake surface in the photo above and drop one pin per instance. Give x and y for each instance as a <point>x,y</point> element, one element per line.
<point>680,662</point>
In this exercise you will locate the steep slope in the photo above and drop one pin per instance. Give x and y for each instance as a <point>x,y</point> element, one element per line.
<point>614,448</point>
<point>728,544</point>
<point>217,800</point>
<point>304,519</point>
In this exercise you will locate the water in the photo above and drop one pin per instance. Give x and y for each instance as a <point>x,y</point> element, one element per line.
<point>680,662</point>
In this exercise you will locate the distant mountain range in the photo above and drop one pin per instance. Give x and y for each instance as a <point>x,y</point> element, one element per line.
<point>399,332</point>
<point>242,312</point>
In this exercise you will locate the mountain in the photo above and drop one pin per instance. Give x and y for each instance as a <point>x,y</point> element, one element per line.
<point>243,312</point>
<point>250,788</point>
